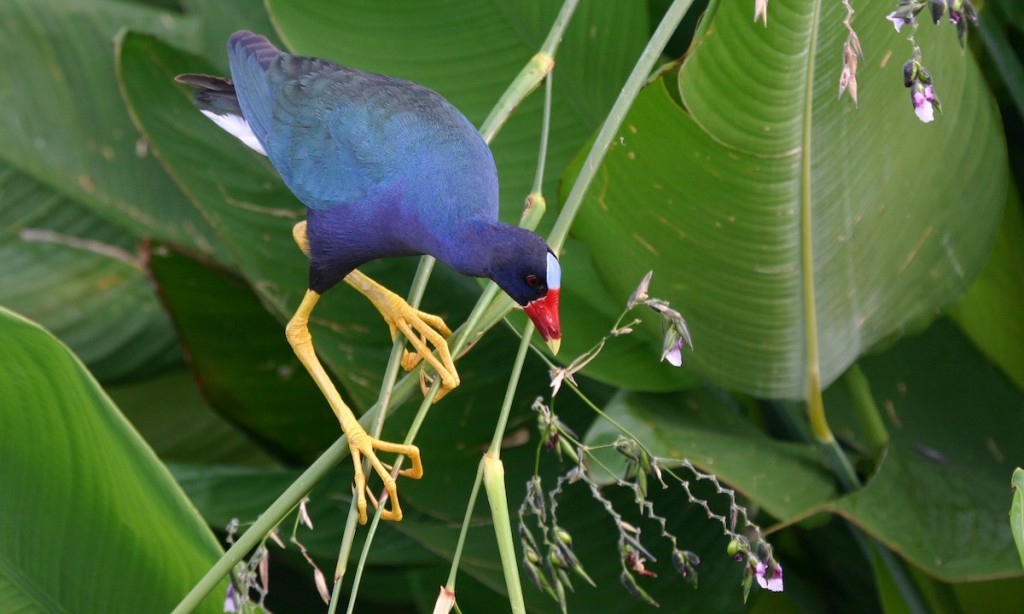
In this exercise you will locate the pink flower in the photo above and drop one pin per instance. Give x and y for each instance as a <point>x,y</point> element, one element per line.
<point>923,98</point>
<point>769,579</point>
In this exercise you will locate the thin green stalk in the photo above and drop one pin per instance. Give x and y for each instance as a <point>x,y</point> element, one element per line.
<point>545,127</point>
<point>416,292</point>
<point>510,391</point>
<point>466,520</point>
<point>362,561</point>
<point>492,473</point>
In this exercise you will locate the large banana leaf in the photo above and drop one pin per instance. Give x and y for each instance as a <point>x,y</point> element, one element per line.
<point>79,276</point>
<point>793,230</point>
<point>90,521</point>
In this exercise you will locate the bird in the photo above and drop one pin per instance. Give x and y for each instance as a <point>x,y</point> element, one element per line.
<point>385,167</point>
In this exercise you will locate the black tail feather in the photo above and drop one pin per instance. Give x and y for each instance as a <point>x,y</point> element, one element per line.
<point>215,94</point>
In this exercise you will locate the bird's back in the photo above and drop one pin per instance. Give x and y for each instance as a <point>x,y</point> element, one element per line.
<point>338,135</point>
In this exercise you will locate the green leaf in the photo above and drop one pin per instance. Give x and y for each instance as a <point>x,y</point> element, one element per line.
<point>939,494</point>
<point>91,521</point>
<point>63,123</point>
<point>1017,511</point>
<point>80,277</point>
<point>240,359</point>
<point>989,311</point>
<point>171,415</point>
<point>1012,13</point>
<point>795,231</point>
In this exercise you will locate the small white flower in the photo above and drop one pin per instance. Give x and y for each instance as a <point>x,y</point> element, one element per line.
<point>674,355</point>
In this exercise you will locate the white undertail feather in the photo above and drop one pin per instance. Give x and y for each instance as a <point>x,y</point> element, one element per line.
<point>236,126</point>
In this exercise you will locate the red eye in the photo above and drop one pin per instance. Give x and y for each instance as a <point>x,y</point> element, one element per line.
<point>533,281</point>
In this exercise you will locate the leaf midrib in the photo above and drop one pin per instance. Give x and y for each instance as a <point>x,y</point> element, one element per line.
<point>812,369</point>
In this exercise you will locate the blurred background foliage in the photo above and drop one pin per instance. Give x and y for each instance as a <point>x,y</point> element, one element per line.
<point>147,268</point>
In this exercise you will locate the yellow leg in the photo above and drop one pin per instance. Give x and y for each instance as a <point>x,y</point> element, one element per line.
<point>359,441</point>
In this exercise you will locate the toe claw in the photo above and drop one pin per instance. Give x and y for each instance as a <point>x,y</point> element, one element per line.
<point>410,360</point>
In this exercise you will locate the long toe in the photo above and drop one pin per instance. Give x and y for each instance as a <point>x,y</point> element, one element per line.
<point>367,448</point>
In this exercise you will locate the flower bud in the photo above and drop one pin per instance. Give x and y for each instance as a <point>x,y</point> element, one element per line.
<point>737,547</point>
<point>563,536</point>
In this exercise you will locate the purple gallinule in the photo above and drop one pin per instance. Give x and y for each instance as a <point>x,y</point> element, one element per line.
<point>385,168</point>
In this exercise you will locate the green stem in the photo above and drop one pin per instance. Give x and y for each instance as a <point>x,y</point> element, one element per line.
<point>510,391</point>
<point>545,126</point>
<point>362,561</point>
<point>416,292</point>
<point>494,484</point>
<point>866,411</point>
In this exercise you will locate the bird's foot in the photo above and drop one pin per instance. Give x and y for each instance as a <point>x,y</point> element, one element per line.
<point>422,330</point>
<point>362,445</point>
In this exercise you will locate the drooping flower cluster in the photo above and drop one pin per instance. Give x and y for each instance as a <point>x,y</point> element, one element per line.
<point>960,12</point>
<point>760,565</point>
<point>915,77</point>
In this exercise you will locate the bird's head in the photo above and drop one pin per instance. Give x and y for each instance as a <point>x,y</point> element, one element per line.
<point>529,272</point>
